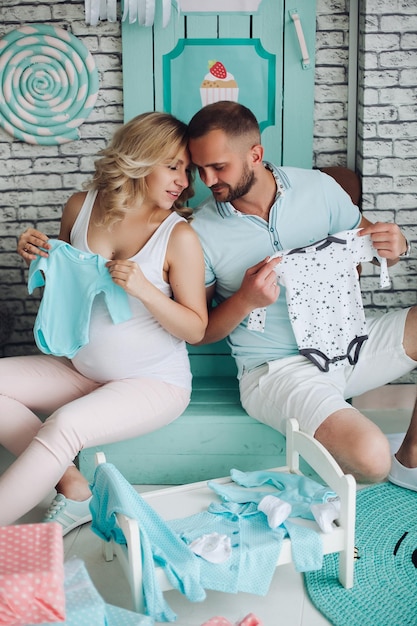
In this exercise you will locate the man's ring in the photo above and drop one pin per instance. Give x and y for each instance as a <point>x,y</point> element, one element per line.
<point>25,250</point>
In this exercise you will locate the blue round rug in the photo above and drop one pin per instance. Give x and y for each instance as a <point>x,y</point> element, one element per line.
<point>385,583</point>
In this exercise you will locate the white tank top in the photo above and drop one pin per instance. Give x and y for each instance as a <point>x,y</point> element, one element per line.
<point>140,347</point>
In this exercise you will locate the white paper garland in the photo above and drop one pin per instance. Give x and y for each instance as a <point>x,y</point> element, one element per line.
<point>140,11</point>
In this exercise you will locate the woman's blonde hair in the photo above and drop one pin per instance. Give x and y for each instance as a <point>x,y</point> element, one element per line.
<point>145,141</point>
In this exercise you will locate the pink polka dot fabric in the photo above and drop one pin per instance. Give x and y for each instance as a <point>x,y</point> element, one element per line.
<point>31,574</point>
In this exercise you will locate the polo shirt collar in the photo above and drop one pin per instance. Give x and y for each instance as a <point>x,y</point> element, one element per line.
<point>226,209</point>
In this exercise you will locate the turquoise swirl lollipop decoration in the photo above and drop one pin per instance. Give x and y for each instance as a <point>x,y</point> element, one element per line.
<point>48,82</point>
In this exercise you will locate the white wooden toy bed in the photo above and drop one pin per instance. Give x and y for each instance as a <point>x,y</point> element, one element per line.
<point>196,497</point>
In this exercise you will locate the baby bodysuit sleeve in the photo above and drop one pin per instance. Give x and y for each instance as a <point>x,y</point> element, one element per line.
<point>362,249</point>
<point>37,271</point>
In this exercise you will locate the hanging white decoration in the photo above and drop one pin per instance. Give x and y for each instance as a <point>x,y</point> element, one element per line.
<point>140,11</point>
<point>219,6</point>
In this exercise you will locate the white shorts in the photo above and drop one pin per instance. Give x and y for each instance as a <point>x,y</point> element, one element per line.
<point>294,387</point>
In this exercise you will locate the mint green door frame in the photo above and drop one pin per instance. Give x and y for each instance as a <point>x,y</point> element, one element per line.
<point>290,140</point>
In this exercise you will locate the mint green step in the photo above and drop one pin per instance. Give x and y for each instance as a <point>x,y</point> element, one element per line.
<point>212,436</point>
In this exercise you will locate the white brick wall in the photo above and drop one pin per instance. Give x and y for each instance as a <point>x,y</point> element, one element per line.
<point>36,181</point>
<point>330,113</point>
<point>387,134</point>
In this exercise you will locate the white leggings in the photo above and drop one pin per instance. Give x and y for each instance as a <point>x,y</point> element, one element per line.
<point>82,413</point>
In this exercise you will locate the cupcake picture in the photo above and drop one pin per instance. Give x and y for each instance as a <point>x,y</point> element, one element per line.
<point>218,84</point>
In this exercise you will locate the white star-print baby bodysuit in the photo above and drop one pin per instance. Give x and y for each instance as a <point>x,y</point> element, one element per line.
<point>324,297</point>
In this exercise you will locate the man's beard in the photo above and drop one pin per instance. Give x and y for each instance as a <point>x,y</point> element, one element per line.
<point>243,187</point>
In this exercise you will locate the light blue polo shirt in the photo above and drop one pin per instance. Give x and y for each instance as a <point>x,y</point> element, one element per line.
<point>309,206</point>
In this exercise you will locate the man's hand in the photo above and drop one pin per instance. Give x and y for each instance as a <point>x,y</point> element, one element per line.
<point>259,286</point>
<point>258,289</point>
<point>387,238</point>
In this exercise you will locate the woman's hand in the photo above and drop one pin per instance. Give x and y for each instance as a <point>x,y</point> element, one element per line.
<point>30,243</point>
<point>184,315</point>
<point>128,275</point>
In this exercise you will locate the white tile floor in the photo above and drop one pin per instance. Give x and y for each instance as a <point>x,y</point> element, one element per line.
<point>286,602</point>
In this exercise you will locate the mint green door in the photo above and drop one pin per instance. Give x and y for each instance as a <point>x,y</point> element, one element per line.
<point>265,59</point>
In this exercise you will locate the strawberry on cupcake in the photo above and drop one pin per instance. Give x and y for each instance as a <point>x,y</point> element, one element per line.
<point>218,84</point>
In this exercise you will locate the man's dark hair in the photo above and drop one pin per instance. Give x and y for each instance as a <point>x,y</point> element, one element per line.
<point>232,118</point>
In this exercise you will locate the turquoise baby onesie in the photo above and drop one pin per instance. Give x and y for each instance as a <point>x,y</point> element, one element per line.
<point>299,491</point>
<point>255,546</point>
<point>72,279</point>
<point>112,494</point>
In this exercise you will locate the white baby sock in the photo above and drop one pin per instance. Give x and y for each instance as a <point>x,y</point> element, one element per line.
<point>214,547</point>
<point>325,514</point>
<point>275,509</point>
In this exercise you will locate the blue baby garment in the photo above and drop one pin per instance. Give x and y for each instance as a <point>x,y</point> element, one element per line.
<point>299,491</point>
<point>72,279</point>
<point>112,494</point>
<point>255,546</point>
